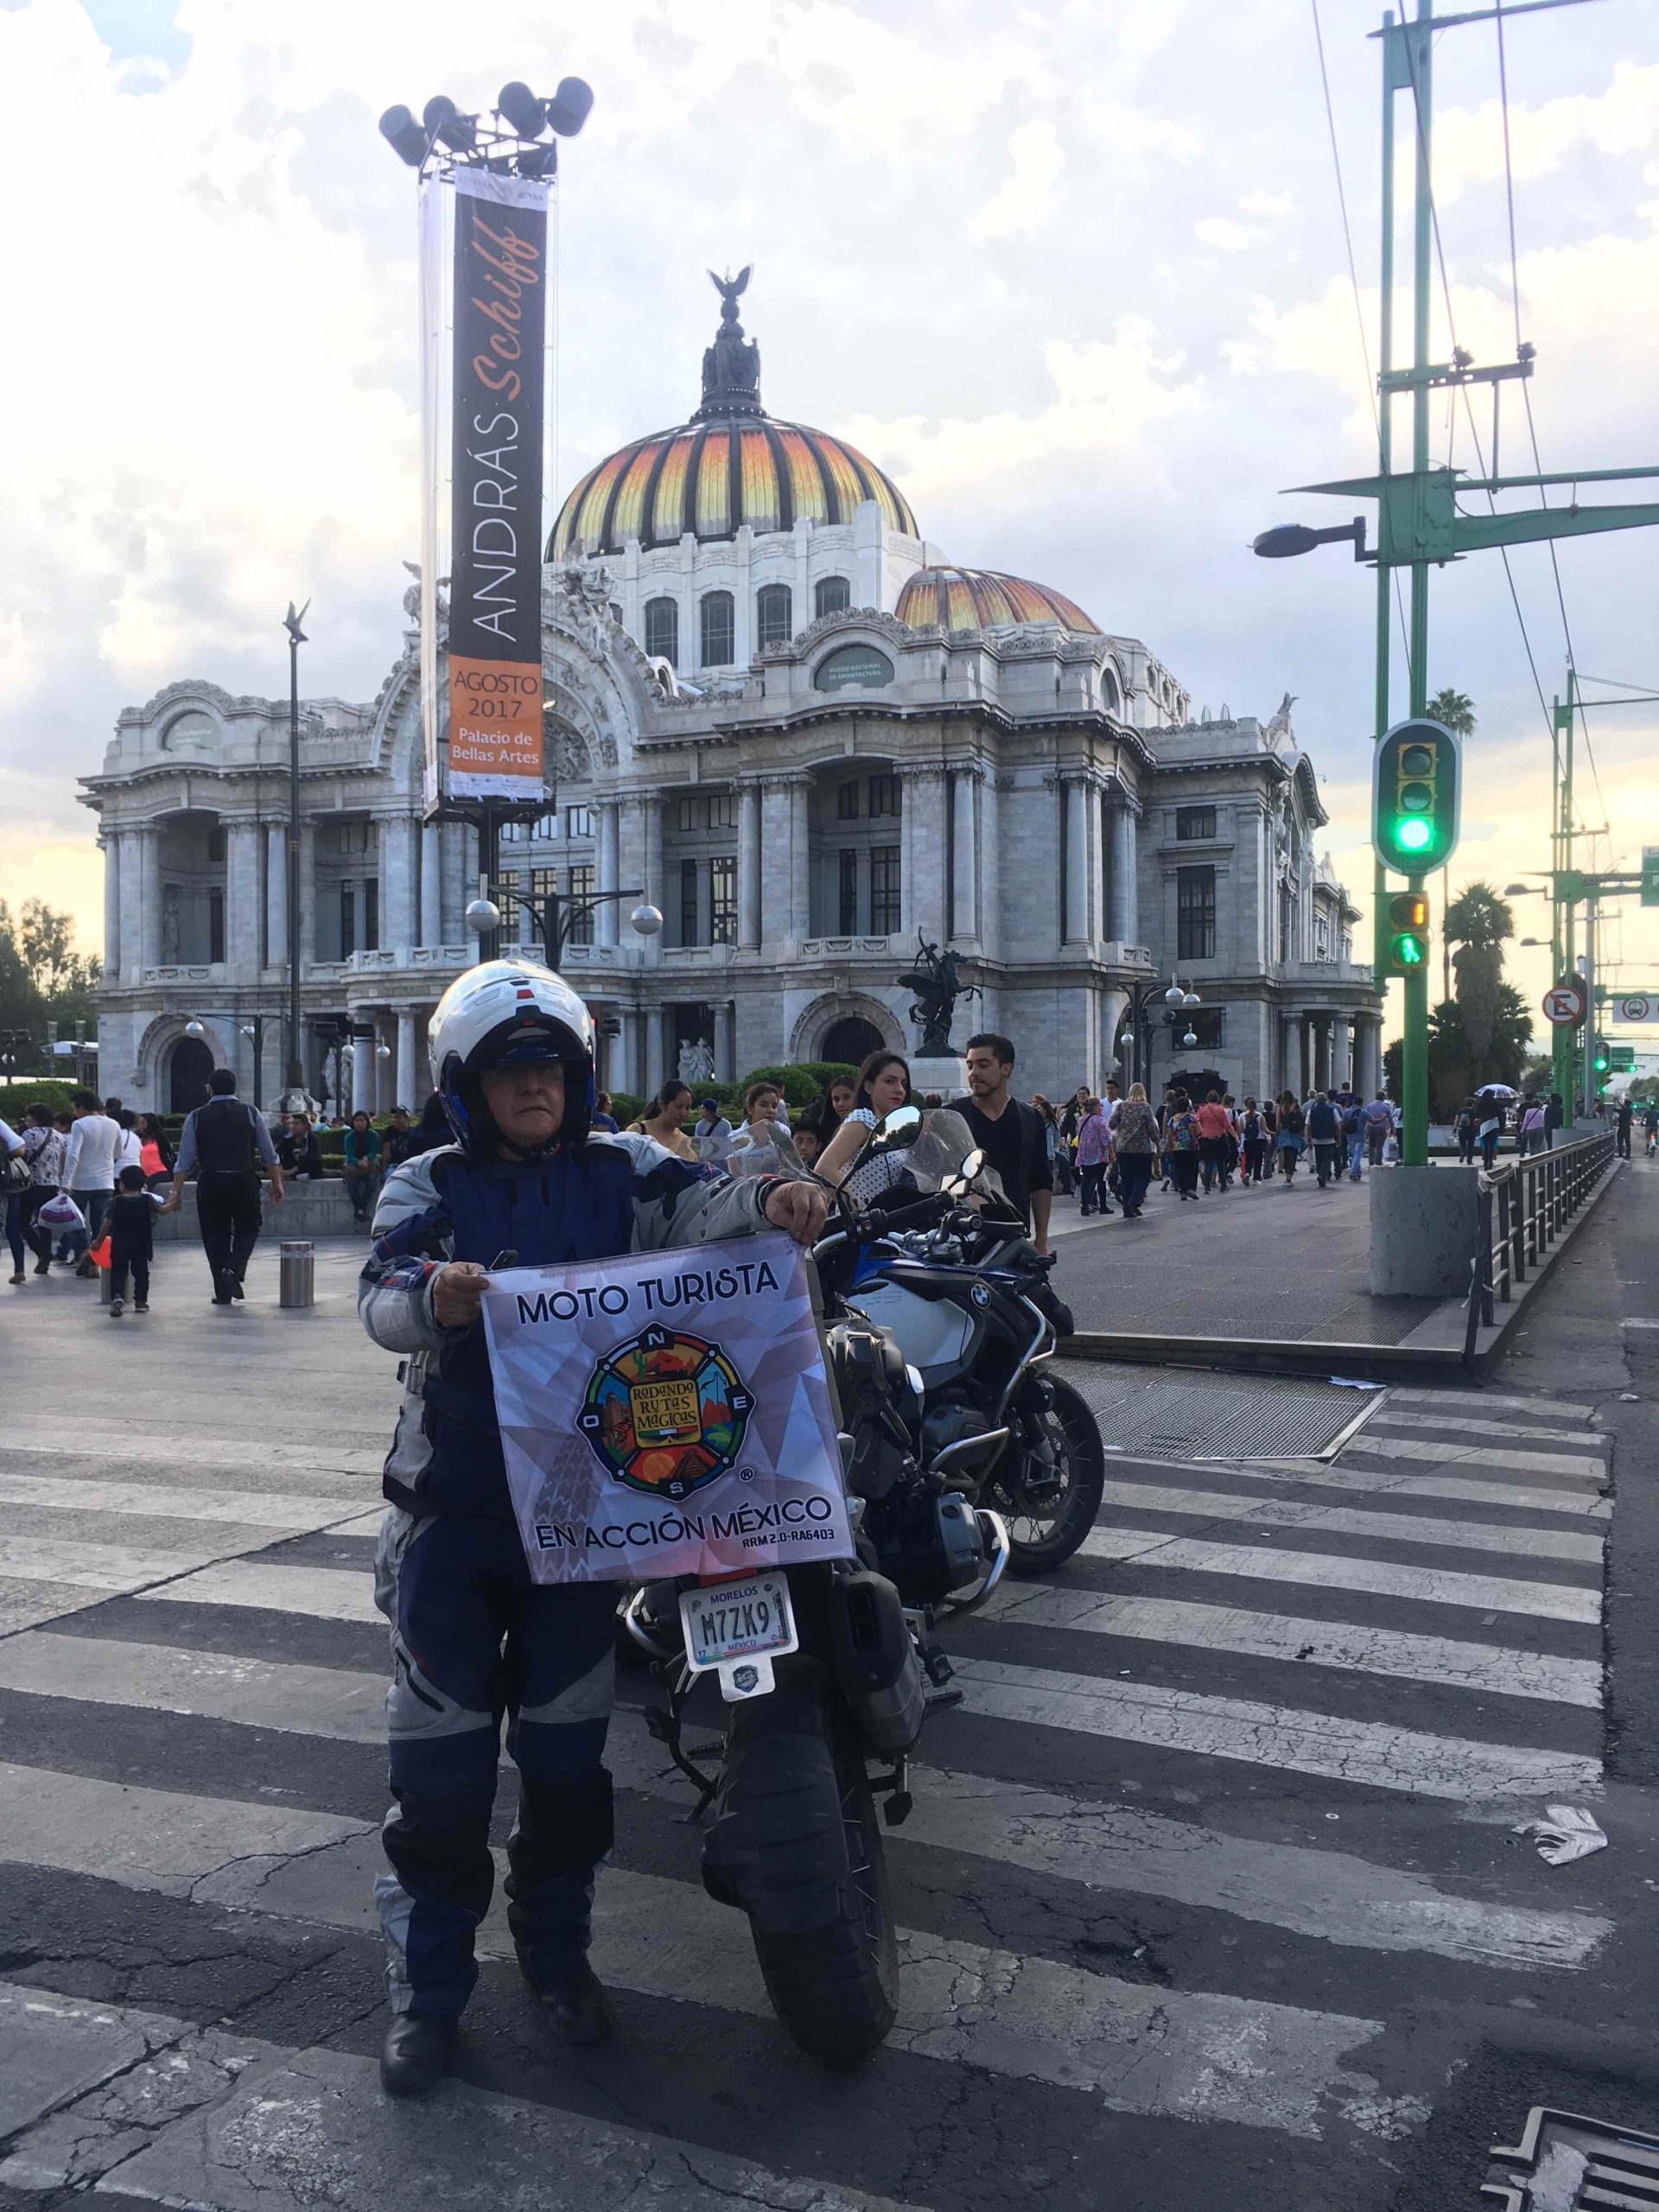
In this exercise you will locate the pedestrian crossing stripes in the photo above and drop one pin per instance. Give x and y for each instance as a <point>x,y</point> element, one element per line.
<point>991,1818</point>
<point>156,1744</point>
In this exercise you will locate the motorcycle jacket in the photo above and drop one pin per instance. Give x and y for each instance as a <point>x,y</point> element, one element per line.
<point>606,1195</point>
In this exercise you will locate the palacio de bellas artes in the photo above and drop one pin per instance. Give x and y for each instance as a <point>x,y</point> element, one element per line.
<point>781,713</point>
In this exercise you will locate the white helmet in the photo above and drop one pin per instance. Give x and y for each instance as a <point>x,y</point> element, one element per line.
<point>504,1013</point>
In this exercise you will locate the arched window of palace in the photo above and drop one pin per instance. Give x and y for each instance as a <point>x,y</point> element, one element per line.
<point>832,596</point>
<point>774,622</point>
<point>1110,697</point>
<point>718,612</point>
<point>663,629</point>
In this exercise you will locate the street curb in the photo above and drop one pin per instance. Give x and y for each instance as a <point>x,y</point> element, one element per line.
<point>1313,1357</point>
<point>1323,1357</point>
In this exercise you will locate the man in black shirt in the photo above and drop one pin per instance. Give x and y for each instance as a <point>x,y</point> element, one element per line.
<point>1009,1132</point>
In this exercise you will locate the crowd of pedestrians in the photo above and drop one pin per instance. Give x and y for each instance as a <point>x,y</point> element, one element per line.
<point>1111,1145</point>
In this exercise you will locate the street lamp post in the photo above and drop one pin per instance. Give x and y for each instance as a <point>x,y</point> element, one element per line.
<point>1179,1003</point>
<point>291,621</point>
<point>553,918</point>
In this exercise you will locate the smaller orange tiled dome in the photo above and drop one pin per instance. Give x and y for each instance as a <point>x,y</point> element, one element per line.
<point>982,599</point>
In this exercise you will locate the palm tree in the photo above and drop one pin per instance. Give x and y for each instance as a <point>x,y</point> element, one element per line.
<point>1478,921</point>
<point>1457,710</point>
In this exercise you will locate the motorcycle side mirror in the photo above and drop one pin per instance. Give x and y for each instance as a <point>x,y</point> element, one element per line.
<point>900,1129</point>
<point>972,1167</point>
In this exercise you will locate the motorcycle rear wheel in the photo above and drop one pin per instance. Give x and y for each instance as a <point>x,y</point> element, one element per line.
<point>1043,1535</point>
<point>835,1987</point>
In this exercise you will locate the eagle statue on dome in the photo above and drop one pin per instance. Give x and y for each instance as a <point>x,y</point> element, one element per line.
<point>731,367</point>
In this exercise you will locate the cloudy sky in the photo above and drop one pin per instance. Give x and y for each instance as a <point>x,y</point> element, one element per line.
<point>1074,274</point>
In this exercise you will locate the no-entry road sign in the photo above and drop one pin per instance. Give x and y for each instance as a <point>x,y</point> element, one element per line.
<point>1566,1002</point>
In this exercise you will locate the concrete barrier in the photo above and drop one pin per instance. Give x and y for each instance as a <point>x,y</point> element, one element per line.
<point>309,1209</point>
<point>1423,1232</point>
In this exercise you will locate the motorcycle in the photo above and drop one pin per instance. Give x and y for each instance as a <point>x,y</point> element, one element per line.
<point>829,1669</point>
<point>945,1268</point>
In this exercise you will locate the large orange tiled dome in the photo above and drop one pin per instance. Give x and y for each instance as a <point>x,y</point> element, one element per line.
<point>984,599</point>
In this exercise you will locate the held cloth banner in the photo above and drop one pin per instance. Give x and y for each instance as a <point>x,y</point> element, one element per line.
<point>666,1413</point>
<point>495,550</point>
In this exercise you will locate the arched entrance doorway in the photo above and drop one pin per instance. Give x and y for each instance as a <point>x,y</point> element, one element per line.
<point>188,1072</point>
<point>851,1039</point>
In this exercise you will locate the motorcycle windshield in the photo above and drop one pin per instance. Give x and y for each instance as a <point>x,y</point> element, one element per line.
<point>944,1143</point>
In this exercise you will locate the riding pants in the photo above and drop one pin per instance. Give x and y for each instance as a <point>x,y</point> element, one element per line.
<point>474,1638</point>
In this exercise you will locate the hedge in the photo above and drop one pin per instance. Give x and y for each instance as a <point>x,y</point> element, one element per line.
<point>15,1098</point>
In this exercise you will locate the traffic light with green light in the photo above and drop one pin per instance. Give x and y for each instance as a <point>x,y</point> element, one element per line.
<point>1602,1058</point>
<point>1408,932</point>
<point>1417,772</point>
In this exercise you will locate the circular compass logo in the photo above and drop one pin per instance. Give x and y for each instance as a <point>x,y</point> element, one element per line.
<point>665,1412</point>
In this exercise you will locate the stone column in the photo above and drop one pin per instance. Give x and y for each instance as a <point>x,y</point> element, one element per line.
<point>131,871</point>
<point>308,918</point>
<point>651,836</point>
<point>397,886</point>
<point>431,884</point>
<point>964,830</point>
<point>922,850</point>
<point>1125,911</point>
<point>1342,1062</point>
<point>242,893</point>
<point>775,872</point>
<point>386,1071</point>
<point>748,869</point>
<point>410,1091</point>
<point>632,1076</point>
<point>800,861</point>
<point>149,843</point>
<point>1293,1063</point>
<point>1076,803</point>
<point>726,1043</point>
<point>991,938</point>
<point>605,863</point>
<point>276,894</point>
<point>364,1064</point>
<point>111,844</point>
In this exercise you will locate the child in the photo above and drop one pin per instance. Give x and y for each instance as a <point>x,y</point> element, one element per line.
<point>132,1230</point>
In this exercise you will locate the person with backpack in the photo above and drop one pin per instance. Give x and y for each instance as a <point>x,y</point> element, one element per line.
<point>1379,1127</point>
<point>1464,1126</point>
<point>1353,1136</point>
<point>1288,1139</point>
<point>1253,1135</point>
<point>1323,1129</point>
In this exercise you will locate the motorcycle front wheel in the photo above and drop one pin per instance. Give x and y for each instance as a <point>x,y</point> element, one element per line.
<point>1050,1493</point>
<point>835,1986</point>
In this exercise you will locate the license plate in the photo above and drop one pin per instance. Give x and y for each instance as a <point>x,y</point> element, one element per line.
<point>737,1620</point>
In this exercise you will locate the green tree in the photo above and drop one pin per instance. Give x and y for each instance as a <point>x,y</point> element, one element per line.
<point>43,978</point>
<point>1478,922</point>
<point>1456,709</point>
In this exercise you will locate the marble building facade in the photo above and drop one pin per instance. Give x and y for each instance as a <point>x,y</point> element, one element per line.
<point>777,710</point>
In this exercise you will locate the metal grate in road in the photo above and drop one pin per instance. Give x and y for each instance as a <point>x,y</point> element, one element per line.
<point>1565,2163</point>
<point>1157,1416</point>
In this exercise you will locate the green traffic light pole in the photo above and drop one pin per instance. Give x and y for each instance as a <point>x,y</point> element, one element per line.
<point>1417,524</point>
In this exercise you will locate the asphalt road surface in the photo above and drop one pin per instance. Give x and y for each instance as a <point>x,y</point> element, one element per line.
<point>1211,1895</point>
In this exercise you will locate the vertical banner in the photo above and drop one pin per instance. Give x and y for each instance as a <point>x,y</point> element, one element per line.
<point>500,289</point>
<point>433,202</point>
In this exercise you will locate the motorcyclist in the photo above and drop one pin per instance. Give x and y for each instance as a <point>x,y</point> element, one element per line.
<point>511,1052</point>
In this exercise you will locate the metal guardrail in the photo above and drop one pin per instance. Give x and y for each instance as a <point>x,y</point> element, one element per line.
<point>1521,1209</point>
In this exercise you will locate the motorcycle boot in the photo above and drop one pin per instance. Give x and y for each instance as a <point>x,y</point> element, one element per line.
<point>417,2053</point>
<point>577,2004</point>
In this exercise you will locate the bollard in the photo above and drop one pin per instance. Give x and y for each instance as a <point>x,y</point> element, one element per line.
<point>297,1286</point>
